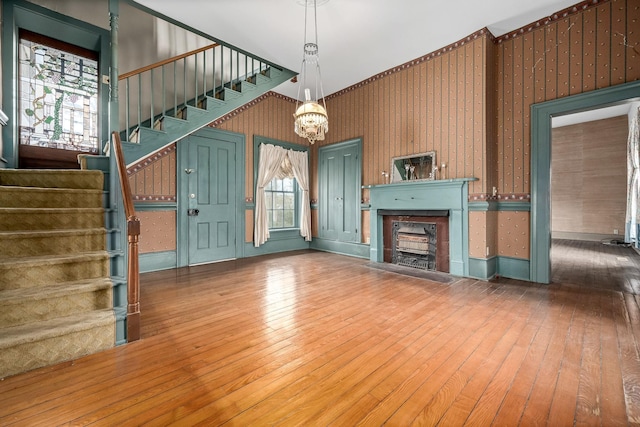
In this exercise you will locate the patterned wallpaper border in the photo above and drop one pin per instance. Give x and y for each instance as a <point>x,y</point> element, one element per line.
<point>484,31</point>
<point>137,167</point>
<point>512,197</point>
<point>248,105</point>
<point>428,56</point>
<point>571,10</point>
<point>170,199</point>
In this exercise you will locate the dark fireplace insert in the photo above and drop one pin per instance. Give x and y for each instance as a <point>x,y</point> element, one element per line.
<point>418,241</point>
<point>414,244</point>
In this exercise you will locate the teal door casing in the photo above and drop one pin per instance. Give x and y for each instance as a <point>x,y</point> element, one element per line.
<point>210,222</point>
<point>541,115</point>
<point>340,184</point>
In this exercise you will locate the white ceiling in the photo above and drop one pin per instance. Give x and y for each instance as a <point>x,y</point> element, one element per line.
<point>357,39</point>
<point>596,114</point>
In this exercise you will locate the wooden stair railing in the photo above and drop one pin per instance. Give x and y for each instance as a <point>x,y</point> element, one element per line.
<point>166,87</point>
<point>133,233</point>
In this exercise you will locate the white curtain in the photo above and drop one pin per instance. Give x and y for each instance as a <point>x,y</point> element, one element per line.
<point>299,161</point>
<point>633,178</point>
<point>271,158</point>
<point>276,162</point>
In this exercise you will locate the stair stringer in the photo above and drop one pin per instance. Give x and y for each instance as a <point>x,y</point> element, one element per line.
<point>115,223</point>
<point>153,140</point>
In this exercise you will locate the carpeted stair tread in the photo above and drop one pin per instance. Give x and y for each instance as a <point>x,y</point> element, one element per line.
<point>15,296</point>
<point>50,269</point>
<point>23,219</point>
<point>51,242</point>
<point>55,178</point>
<point>40,197</point>
<point>53,259</point>
<point>32,346</point>
<point>31,332</point>
<point>56,296</point>
<point>23,306</point>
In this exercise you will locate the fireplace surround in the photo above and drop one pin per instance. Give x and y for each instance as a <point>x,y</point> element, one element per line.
<point>423,198</point>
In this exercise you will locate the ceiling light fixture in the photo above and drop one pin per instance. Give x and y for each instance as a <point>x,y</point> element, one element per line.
<point>311,120</point>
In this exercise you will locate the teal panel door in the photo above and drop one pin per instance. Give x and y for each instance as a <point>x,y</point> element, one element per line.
<point>340,192</point>
<point>212,206</point>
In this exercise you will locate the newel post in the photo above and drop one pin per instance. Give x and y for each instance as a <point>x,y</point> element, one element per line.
<point>133,288</point>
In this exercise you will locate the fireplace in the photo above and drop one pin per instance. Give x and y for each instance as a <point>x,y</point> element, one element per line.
<point>424,239</point>
<point>443,202</point>
<point>414,244</point>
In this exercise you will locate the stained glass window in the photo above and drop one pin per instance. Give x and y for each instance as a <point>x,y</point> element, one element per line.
<point>58,97</point>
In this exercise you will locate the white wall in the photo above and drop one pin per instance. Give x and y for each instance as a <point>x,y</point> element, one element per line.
<point>143,39</point>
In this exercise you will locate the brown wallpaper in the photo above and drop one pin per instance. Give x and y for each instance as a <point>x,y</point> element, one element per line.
<point>591,49</point>
<point>434,103</point>
<point>470,103</point>
<point>157,231</point>
<point>588,47</point>
<point>154,179</point>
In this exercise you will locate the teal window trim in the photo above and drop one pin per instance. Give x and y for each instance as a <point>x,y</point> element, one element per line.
<point>257,140</point>
<point>19,14</point>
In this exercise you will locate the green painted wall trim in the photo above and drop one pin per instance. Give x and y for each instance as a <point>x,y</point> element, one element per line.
<point>121,325</point>
<point>483,269</point>
<point>483,206</point>
<point>514,206</point>
<point>449,194</point>
<point>358,250</point>
<point>513,268</point>
<point>155,261</point>
<point>276,245</point>
<point>494,205</point>
<point>541,114</point>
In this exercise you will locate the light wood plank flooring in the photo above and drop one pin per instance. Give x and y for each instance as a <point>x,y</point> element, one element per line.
<point>316,339</point>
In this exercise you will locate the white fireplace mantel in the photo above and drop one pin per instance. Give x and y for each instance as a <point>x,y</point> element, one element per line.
<point>446,194</point>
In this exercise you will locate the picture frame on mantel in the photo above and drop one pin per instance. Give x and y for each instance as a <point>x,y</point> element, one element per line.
<point>414,167</point>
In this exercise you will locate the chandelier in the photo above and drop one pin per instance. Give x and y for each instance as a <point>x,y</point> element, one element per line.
<point>311,120</point>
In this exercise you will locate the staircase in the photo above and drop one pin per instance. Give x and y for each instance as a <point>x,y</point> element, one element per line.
<point>56,297</point>
<point>164,102</point>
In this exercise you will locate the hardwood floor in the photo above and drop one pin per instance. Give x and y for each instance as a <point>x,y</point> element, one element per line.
<point>313,338</point>
<point>596,265</point>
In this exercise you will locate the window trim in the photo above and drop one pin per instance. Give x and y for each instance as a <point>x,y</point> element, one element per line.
<point>21,15</point>
<point>73,49</point>
<point>296,207</point>
<point>257,140</point>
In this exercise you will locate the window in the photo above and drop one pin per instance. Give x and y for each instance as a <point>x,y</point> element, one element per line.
<point>280,197</point>
<point>58,94</point>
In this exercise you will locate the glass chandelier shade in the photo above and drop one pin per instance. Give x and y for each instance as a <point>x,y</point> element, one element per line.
<point>311,120</point>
